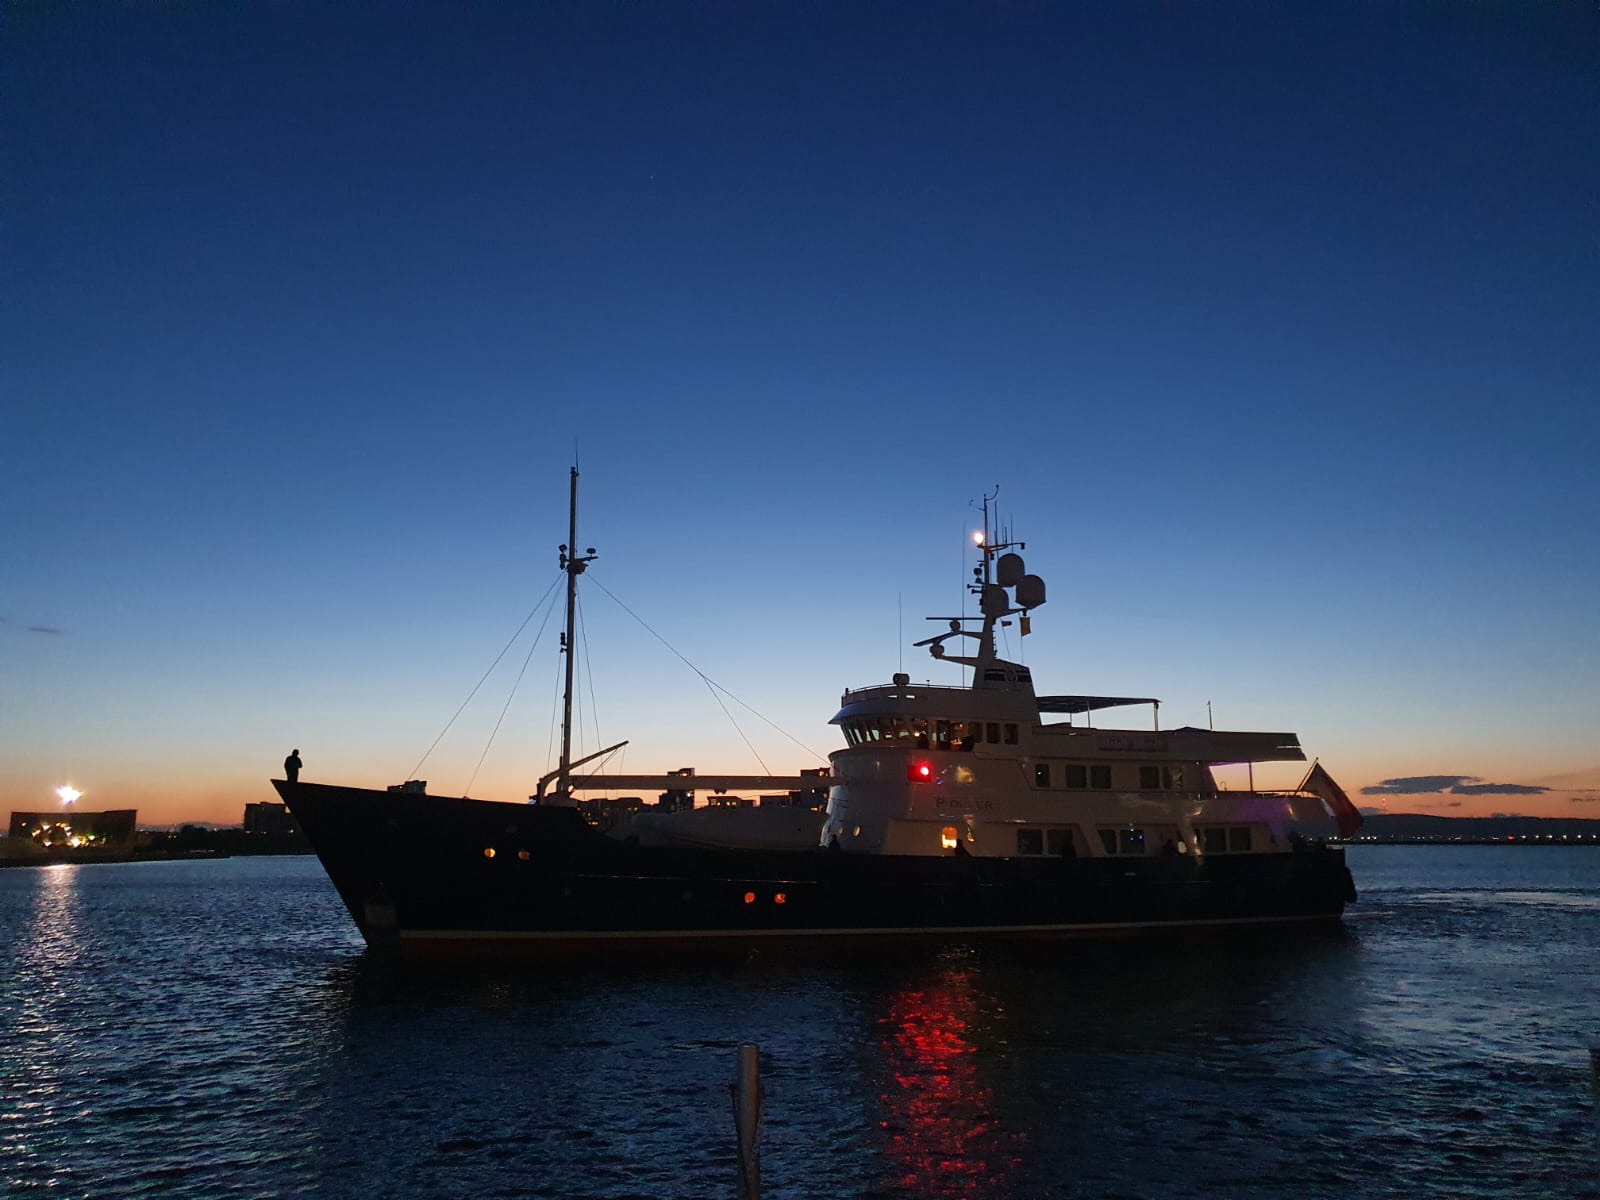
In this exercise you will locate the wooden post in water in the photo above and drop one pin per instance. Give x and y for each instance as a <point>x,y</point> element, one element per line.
<point>747,1121</point>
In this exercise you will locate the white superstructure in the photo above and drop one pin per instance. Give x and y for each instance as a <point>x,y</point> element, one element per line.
<point>979,770</point>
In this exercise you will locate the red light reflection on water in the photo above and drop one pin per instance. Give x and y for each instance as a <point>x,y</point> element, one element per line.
<point>942,1134</point>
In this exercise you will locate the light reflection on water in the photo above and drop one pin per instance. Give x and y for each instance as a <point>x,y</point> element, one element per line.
<point>206,1029</point>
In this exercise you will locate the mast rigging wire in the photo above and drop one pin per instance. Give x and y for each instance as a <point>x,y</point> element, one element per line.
<point>709,682</point>
<point>526,659</point>
<point>412,774</point>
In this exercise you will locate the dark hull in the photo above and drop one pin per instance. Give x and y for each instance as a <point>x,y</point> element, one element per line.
<point>413,871</point>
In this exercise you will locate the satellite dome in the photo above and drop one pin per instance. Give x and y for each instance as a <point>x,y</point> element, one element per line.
<point>1030,591</point>
<point>1009,569</point>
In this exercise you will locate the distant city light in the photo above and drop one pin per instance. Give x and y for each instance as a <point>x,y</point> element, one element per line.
<point>68,793</point>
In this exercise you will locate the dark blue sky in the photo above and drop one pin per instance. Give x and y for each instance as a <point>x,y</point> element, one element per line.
<point>1275,323</point>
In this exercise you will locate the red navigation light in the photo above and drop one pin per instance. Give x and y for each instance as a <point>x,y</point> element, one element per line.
<point>919,772</point>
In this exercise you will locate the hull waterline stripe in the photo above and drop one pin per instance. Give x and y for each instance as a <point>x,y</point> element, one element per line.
<point>485,935</point>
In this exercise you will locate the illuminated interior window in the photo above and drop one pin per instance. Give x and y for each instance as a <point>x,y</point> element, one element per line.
<point>781,898</point>
<point>488,851</point>
<point>524,855</point>
<point>947,837</point>
<point>749,897</point>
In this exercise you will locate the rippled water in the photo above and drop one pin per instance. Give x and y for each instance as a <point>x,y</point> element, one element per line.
<point>215,1029</point>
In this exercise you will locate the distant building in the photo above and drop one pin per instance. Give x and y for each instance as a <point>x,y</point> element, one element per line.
<point>269,820</point>
<point>70,828</point>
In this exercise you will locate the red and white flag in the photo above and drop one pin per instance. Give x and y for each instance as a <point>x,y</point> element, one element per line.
<point>1320,784</point>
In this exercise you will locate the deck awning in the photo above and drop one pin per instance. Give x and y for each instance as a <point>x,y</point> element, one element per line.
<point>1083,704</point>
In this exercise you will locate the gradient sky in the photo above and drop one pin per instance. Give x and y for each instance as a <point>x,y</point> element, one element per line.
<point>1275,324</point>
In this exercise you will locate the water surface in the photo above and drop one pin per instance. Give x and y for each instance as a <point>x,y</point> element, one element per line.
<point>216,1029</point>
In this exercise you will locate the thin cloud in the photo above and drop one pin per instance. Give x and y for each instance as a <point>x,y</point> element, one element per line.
<point>1414,785</point>
<point>45,629</point>
<point>1452,785</point>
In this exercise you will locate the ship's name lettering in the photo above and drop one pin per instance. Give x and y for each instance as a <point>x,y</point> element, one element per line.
<point>1145,743</point>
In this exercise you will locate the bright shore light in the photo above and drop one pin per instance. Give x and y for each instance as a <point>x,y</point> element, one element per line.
<point>68,793</point>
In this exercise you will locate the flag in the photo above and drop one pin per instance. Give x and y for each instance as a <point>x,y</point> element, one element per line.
<point>1320,784</point>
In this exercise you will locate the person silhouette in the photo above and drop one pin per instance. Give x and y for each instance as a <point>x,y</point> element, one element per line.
<point>291,766</point>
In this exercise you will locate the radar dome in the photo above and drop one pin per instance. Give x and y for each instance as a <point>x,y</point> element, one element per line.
<point>1009,569</point>
<point>1030,591</point>
<point>995,602</point>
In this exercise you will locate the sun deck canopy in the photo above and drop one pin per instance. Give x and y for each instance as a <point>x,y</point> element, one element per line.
<point>1083,704</point>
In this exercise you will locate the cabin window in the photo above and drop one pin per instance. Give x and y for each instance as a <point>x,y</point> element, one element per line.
<point>1011,734</point>
<point>1130,841</point>
<point>1239,839</point>
<point>1174,778</point>
<point>1041,775</point>
<point>1149,779</point>
<point>967,734</point>
<point>902,730</point>
<point>1216,841</point>
<point>1100,777</point>
<point>1077,775</point>
<point>919,731</point>
<point>941,735</point>
<point>1030,841</point>
<point>1058,842</point>
<point>992,733</point>
<point>1108,839</point>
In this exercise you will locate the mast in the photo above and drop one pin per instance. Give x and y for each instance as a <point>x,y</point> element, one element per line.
<point>573,564</point>
<point>995,573</point>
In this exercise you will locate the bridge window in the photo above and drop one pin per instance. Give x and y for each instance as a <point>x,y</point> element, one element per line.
<point>1124,842</point>
<point>1220,839</point>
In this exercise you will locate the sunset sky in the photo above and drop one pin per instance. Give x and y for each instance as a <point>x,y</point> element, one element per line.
<point>1275,325</point>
